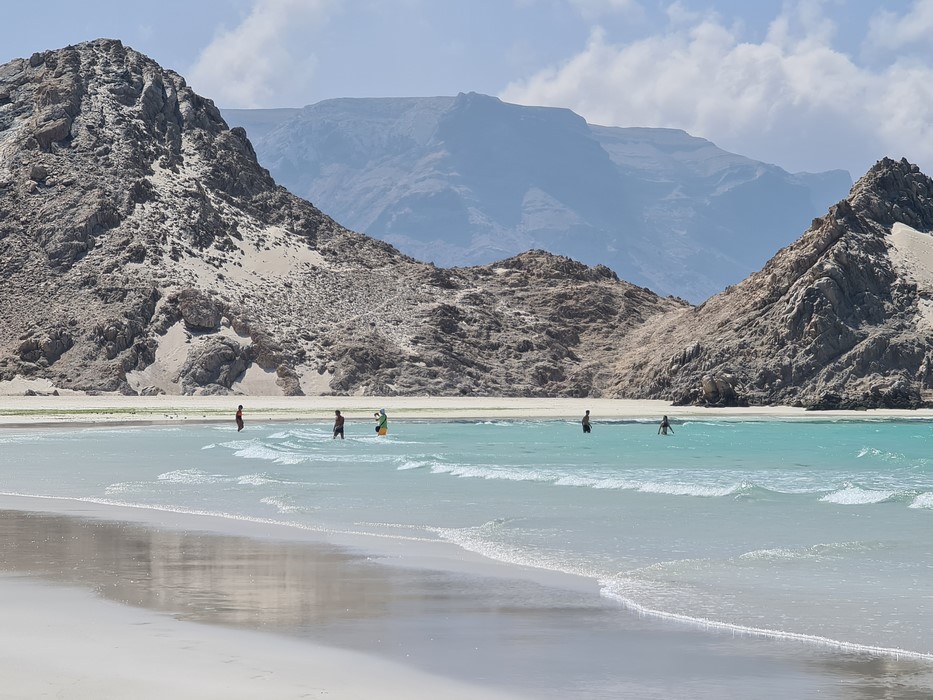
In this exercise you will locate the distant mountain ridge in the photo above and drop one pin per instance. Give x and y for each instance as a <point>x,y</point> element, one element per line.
<point>471,179</point>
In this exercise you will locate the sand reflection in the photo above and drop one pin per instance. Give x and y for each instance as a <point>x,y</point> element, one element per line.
<point>197,576</point>
<point>548,642</point>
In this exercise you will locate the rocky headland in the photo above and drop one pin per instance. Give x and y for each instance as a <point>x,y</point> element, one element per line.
<point>842,318</point>
<point>145,251</point>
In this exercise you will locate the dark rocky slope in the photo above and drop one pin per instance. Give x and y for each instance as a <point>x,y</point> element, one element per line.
<point>840,319</point>
<point>143,249</point>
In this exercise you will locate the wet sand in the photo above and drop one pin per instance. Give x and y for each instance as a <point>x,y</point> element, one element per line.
<point>101,601</point>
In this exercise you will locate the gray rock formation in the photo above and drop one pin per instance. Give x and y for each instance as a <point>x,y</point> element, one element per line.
<point>144,250</point>
<point>470,179</point>
<point>840,319</point>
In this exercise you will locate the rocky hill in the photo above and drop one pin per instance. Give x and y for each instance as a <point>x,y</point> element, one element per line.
<point>470,179</point>
<point>144,250</point>
<point>842,318</point>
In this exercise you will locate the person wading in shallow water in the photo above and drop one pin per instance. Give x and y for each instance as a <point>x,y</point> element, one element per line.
<point>383,426</point>
<point>665,426</point>
<point>586,423</point>
<point>338,425</point>
<point>239,418</point>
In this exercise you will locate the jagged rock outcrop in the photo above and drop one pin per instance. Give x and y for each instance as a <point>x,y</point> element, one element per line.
<point>144,250</point>
<point>843,318</point>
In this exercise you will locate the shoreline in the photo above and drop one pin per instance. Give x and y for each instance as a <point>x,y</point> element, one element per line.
<point>81,411</point>
<point>390,550</point>
<point>418,589</point>
<point>362,612</point>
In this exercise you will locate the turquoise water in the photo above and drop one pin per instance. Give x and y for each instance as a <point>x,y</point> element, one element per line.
<point>821,531</point>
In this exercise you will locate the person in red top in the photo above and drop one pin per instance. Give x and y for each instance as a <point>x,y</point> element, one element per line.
<point>239,418</point>
<point>338,425</point>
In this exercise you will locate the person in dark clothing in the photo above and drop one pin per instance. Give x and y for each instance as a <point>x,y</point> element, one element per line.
<point>338,425</point>
<point>239,418</point>
<point>586,423</point>
<point>665,426</point>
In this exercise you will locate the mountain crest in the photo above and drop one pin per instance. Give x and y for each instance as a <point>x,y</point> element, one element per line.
<point>144,250</point>
<point>840,318</point>
<point>472,179</point>
<point>894,191</point>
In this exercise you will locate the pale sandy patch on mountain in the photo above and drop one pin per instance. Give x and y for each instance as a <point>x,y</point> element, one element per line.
<point>258,381</point>
<point>169,358</point>
<point>314,383</point>
<point>912,251</point>
<point>18,386</point>
<point>173,350</point>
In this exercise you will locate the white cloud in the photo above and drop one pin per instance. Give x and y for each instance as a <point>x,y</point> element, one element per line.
<point>791,98</point>
<point>264,61</point>
<point>891,31</point>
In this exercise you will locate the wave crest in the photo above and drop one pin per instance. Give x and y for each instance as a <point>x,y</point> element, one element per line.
<point>856,496</point>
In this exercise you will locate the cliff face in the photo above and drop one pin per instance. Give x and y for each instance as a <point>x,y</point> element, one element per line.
<point>144,250</point>
<point>841,318</point>
<point>471,179</point>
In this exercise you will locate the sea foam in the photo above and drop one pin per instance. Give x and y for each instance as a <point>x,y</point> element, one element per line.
<point>192,476</point>
<point>924,500</point>
<point>855,496</point>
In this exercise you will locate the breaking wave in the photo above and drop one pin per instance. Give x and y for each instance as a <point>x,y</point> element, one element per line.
<point>855,496</point>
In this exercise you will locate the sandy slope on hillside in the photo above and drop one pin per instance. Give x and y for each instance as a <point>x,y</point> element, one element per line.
<point>912,251</point>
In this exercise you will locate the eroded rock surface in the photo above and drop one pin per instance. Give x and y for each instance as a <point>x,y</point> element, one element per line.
<point>839,319</point>
<point>143,249</point>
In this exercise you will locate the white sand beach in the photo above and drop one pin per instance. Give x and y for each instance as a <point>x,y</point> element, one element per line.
<point>243,610</point>
<point>78,623</point>
<point>66,642</point>
<point>73,408</point>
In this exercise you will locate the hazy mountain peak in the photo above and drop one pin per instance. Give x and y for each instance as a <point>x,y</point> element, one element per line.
<point>469,179</point>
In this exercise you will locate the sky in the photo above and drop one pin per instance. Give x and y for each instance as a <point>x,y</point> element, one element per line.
<point>810,85</point>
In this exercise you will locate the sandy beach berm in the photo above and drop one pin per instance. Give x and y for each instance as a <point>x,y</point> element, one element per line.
<point>16,409</point>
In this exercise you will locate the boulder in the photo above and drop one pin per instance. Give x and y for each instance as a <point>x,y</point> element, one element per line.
<point>219,361</point>
<point>199,311</point>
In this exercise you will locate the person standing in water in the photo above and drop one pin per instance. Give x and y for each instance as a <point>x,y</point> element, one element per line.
<point>665,426</point>
<point>383,426</point>
<point>586,422</point>
<point>338,425</point>
<point>239,418</point>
